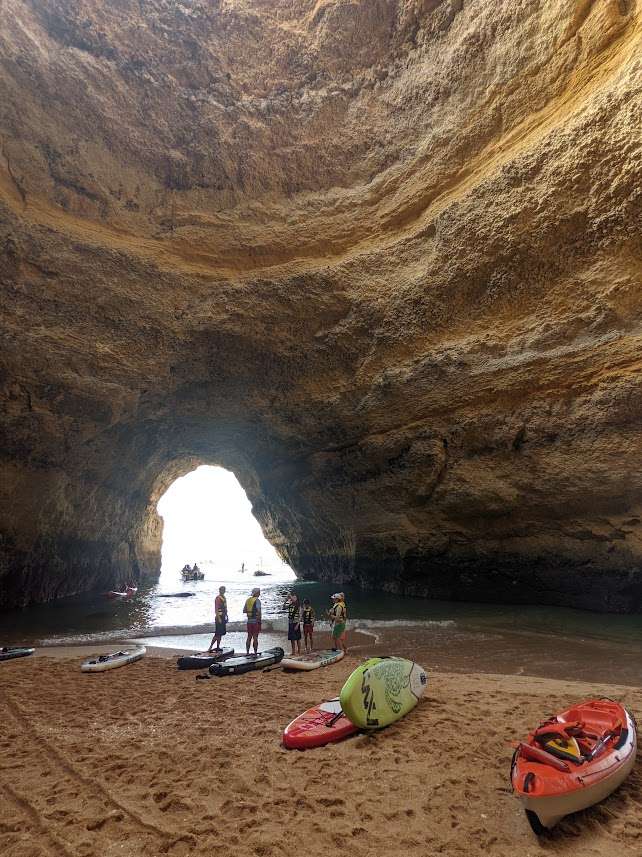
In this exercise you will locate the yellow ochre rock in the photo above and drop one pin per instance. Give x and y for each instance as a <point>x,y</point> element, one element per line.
<point>380,258</point>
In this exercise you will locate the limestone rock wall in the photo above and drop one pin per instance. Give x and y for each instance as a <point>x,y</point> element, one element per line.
<point>382,258</point>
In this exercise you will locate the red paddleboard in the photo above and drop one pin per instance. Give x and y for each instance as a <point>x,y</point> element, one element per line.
<point>318,726</point>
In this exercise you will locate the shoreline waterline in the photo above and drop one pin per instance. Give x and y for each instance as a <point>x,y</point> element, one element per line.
<point>445,649</point>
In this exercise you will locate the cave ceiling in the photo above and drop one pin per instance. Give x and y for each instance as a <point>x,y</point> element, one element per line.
<point>381,258</point>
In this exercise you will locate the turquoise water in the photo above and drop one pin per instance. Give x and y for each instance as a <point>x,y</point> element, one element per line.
<point>165,620</point>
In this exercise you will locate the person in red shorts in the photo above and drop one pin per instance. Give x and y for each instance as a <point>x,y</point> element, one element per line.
<point>252,610</point>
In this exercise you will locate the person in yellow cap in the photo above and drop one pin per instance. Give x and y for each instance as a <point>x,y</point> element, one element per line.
<point>338,616</point>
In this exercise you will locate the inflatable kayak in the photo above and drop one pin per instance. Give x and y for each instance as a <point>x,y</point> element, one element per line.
<point>126,593</point>
<point>382,691</point>
<point>312,660</point>
<point>110,662</point>
<point>573,760</point>
<point>7,653</point>
<point>318,726</point>
<point>246,663</point>
<point>176,594</point>
<point>202,660</point>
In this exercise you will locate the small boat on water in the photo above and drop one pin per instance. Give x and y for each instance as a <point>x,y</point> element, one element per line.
<point>195,573</point>
<point>176,594</point>
<point>573,760</point>
<point>128,592</point>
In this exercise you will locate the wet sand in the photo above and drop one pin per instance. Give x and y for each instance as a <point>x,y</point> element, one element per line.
<point>145,760</point>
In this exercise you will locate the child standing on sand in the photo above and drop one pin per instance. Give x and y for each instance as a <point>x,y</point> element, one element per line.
<point>294,623</point>
<point>308,617</point>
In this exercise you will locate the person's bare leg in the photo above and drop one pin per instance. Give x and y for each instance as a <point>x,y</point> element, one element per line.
<point>256,643</point>
<point>298,646</point>
<point>211,642</point>
<point>247,643</point>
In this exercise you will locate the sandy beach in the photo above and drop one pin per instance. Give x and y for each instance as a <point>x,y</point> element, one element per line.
<point>145,760</point>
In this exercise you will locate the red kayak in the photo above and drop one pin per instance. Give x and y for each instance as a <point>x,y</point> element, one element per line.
<point>318,726</point>
<point>573,760</point>
<point>127,593</point>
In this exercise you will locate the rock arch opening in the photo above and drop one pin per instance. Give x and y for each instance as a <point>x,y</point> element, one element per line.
<point>207,518</point>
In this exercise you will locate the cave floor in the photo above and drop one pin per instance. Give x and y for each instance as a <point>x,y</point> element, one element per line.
<point>146,761</point>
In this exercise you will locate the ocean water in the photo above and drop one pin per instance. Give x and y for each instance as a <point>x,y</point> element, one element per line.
<point>188,621</point>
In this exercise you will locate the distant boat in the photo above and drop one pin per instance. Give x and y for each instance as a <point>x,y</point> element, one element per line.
<point>259,572</point>
<point>128,592</point>
<point>195,573</point>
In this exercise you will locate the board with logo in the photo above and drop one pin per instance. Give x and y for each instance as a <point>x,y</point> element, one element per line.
<point>382,691</point>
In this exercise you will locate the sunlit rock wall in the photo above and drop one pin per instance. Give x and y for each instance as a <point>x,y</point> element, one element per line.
<point>381,258</point>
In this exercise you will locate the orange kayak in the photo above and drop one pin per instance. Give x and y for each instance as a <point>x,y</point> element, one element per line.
<point>573,760</point>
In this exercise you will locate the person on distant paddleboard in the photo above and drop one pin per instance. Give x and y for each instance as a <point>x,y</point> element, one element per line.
<point>308,617</point>
<point>338,616</point>
<point>294,622</point>
<point>252,610</point>
<point>220,620</point>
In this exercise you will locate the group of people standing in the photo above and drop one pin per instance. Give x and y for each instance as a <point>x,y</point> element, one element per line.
<point>302,617</point>
<point>301,620</point>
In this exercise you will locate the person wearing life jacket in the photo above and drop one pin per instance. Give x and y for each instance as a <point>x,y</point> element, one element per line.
<point>252,609</point>
<point>307,618</point>
<point>220,620</point>
<point>338,616</point>
<point>294,622</point>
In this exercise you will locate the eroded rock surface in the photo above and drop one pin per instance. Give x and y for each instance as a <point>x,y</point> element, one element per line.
<point>381,258</point>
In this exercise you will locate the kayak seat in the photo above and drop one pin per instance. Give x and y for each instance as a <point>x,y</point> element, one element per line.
<point>566,749</point>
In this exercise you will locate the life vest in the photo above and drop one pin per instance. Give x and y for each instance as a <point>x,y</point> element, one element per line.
<point>308,615</point>
<point>251,609</point>
<point>339,612</point>
<point>221,611</point>
<point>294,614</point>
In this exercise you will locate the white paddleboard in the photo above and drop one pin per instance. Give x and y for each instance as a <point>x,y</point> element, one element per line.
<point>100,663</point>
<point>312,660</point>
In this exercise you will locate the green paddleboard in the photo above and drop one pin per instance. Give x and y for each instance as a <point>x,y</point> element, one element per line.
<point>381,691</point>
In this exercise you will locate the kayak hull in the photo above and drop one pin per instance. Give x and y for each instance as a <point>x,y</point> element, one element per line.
<point>176,594</point>
<point>551,794</point>
<point>247,663</point>
<point>318,726</point>
<point>113,661</point>
<point>313,660</point>
<point>127,593</point>
<point>8,654</point>
<point>202,660</point>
